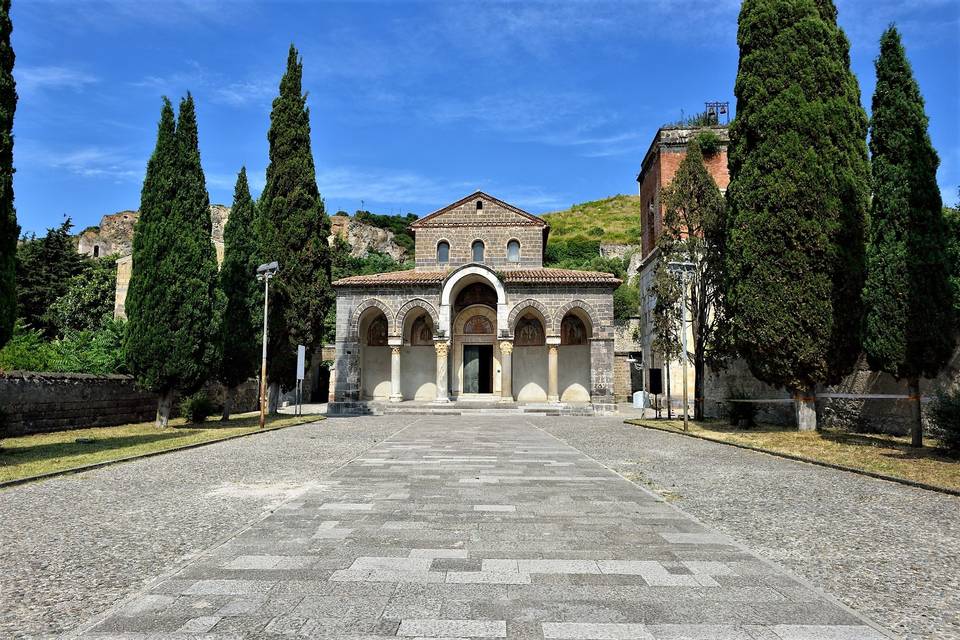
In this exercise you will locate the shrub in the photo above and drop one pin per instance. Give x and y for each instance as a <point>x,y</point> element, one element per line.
<point>709,142</point>
<point>196,407</point>
<point>946,416</point>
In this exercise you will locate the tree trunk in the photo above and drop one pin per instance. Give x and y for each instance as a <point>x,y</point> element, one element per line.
<point>228,396</point>
<point>699,369</point>
<point>916,417</point>
<point>164,404</point>
<point>666,375</point>
<point>805,404</point>
<point>273,398</point>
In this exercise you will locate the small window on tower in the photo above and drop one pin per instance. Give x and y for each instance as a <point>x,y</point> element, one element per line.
<point>479,205</point>
<point>443,252</point>
<point>96,251</point>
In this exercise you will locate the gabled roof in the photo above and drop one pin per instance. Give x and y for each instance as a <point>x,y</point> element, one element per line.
<point>431,219</point>
<point>521,276</point>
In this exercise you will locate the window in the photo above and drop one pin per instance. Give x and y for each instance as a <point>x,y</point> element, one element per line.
<point>479,205</point>
<point>513,251</point>
<point>96,251</point>
<point>529,333</point>
<point>477,250</point>
<point>443,252</point>
<point>572,330</point>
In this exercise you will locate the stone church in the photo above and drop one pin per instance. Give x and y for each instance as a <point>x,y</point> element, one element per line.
<point>479,318</point>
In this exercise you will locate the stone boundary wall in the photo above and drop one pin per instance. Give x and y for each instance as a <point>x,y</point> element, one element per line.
<point>41,402</point>
<point>33,402</point>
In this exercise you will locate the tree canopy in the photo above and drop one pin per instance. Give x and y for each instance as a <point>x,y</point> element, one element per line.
<point>9,229</point>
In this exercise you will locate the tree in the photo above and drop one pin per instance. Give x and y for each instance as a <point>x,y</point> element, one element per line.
<point>666,322</point>
<point>88,301</point>
<point>909,329</point>
<point>951,216</point>
<point>293,230</point>
<point>240,329</point>
<point>9,229</point>
<point>692,232</point>
<point>45,268</point>
<point>171,302</point>
<point>797,200</point>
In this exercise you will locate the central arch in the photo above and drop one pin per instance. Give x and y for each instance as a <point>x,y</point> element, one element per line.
<point>463,276</point>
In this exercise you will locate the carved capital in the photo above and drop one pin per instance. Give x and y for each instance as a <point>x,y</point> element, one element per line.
<point>441,348</point>
<point>395,351</point>
<point>506,347</point>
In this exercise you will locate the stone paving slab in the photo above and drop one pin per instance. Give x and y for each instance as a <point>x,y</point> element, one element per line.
<point>568,551</point>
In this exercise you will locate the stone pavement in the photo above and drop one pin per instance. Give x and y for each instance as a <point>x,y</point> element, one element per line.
<point>479,528</point>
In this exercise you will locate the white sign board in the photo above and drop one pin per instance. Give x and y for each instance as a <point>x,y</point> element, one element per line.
<point>301,360</point>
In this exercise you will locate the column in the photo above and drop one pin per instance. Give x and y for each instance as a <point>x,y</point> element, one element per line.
<point>442,346</point>
<point>506,372</point>
<point>395,346</point>
<point>553,346</point>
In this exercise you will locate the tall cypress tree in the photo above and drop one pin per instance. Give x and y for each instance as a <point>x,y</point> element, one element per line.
<point>797,199</point>
<point>293,230</point>
<point>909,329</point>
<point>9,229</point>
<point>172,297</point>
<point>239,332</point>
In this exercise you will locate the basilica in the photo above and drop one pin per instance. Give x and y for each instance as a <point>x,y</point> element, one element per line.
<point>478,319</point>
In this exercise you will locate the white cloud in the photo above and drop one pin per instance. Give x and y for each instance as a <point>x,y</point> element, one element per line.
<point>31,79</point>
<point>114,163</point>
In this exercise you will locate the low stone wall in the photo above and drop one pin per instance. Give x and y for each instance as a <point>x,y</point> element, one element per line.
<point>41,402</point>
<point>33,402</point>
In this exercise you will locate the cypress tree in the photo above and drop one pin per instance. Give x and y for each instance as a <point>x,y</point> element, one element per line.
<point>293,231</point>
<point>797,200</point>
<point>909,329</point>
<point>240,329</point>
<point>171,302</point>
<point>9,229</point>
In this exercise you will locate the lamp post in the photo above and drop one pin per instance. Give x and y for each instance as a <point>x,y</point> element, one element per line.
<point>265,272</point>
<point>683,269</point>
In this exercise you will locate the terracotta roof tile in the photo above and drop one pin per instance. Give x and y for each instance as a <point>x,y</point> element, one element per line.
<point>519,276</point>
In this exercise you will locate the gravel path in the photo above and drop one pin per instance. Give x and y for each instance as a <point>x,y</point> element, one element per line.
<point>890,551</point>
<point>71,546</point>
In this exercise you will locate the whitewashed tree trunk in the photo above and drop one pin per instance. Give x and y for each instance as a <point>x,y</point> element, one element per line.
<point>916,417</point>
<point>805,403</point>
<point>164,405</point>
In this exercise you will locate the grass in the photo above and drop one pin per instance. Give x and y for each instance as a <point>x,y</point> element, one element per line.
<point>26,456</point>
<point>876,453</point>
<point>614,220</point>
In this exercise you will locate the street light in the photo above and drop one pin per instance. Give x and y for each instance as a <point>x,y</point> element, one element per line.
<point>265,272</point>
<point>683,269</point>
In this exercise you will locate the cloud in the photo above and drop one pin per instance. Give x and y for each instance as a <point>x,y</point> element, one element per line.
<point>30,79</point>
<point>214,86</point>
<point>114,163</point>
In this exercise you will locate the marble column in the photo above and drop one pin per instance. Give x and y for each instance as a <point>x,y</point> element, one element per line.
<point>395,395</point>
<point>442,346</point>
<point>553,346</point>
<point>506,371</point>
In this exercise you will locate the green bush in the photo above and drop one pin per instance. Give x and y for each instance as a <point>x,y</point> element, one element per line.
<point>946,416</point>
<point>98,352</point>
<point>709,142</point>
<point>196,407</point>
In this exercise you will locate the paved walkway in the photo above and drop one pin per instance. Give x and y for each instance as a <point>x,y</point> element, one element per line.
<point>479,528</point>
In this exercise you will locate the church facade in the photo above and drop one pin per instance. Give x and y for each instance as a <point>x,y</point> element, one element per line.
<point>478,318</point>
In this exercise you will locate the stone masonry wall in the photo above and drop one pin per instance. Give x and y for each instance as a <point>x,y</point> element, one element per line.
<point>495,241</point>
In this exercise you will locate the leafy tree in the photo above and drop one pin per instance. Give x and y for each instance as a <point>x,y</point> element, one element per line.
<point>797,200</point>
<point>171,303</point>
<point>626,301</point>
<point>909,329</point>
<point>692,233</point>
<point>45,269</point>
<point>293,230</point>
<point>97,352</point>
<point>240,336</point>
<point>666,321</point>
<point>951,217</point>
<point>9,229</point>
<point>88,302</point>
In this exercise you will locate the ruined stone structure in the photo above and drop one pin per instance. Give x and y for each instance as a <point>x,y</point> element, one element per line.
<point>364,238</point>
<point>478,318</point>
<point>660,164</point>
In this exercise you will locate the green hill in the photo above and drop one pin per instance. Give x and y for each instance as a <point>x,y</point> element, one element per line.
<point>614,220</point>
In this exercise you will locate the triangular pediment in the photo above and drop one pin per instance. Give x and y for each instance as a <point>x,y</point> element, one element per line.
<point>489,212</point>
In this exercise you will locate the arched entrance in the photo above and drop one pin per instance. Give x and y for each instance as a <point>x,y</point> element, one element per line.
<point>574,356</point>
<point>476,355</point>
<point>418,379</point>
<point>372,330</point>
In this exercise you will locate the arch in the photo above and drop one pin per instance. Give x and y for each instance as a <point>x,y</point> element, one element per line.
<point>370,303</point>
<point>524,305</point>
<point>416,303</point>
<point>583,310</point>
<point>466,271</point>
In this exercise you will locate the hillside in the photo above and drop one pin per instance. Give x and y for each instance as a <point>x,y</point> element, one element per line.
<point>614,220</point>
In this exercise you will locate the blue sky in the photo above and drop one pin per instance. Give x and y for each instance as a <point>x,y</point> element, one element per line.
<point>413,104</point>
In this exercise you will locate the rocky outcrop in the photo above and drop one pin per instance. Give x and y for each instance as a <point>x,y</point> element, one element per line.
<point>364,238</point>
<point>114,235</point>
